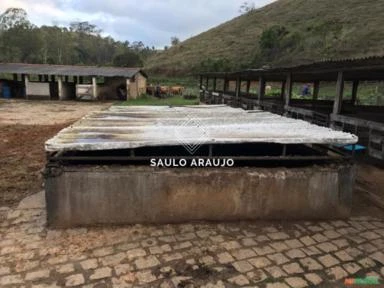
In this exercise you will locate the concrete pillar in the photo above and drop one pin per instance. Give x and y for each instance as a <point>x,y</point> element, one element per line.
<point>355,87</point>
<point>60,87</point>
<point>261,93</point>
<point>26,81</point>
<point>94,88</point>
<point>339,93</point>
<point>128,83</point>
<point>288,90</point>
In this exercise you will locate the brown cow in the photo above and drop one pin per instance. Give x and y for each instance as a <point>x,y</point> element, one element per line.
<point>177,90</point>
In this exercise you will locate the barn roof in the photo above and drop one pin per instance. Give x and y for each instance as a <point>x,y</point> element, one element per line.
<point>69,70</point>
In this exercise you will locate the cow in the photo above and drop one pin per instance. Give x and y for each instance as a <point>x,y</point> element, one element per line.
<point>177,90</point>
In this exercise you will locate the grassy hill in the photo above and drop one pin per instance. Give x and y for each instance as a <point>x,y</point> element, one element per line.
<point>286,32</point>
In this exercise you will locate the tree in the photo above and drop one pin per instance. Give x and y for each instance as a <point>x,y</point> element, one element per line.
<point>128,59</point>
<point>14,17</point>
<point>175,41</point>
<point>246,7</point>
<point>85,27</point>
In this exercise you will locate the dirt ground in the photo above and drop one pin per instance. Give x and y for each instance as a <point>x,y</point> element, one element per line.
<point>24,127</point>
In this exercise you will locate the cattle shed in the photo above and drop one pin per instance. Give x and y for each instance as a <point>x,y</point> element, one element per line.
<point>99,170</point>
<point>346,95</point>
<point>64,82</point>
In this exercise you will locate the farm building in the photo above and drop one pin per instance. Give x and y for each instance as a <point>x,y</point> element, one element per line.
<point>346,95</point>
<point>60,82</point>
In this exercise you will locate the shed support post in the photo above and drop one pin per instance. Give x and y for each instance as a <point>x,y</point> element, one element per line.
<point>26,81</point>
<point>283,86</point>
<point>288,91</point>
<point>66,79</point>
<point>355,87</point>
<point>94,88</point>
<point>201,82</point>
<point>207,83</point>
<point>214,84</point>
<point>248,86</point>
<point>40,78</point>
<point>52,78</point>
<point>238,88</point>
<point>316,87</point>
<point>339,93</point>
<point>15,77</point>
<point>127,85</point>
<point>261,93</point>
<point>60,87</point>
<point>225,85</point>
<point>81,80</point>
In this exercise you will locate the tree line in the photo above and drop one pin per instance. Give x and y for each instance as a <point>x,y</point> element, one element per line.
<point>79,44</point>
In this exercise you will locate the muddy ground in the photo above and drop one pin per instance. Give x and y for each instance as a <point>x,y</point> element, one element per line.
<point>26,125</point>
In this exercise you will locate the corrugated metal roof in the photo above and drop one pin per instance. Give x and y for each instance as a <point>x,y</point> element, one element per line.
<point>143,126</point>
<point>66,70</point>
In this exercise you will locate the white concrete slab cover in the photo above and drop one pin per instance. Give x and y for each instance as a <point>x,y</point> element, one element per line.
<point>123,127</point>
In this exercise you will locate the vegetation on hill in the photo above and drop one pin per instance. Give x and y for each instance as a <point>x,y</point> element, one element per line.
<point>81,43</point>
<point>286,32</point>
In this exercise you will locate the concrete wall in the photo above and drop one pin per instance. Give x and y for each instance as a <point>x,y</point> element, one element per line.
<point>38,90</point>
<point>84,91</point>
<point>125,194</point>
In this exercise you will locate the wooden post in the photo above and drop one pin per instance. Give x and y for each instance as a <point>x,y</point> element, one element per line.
<point>81,80</point>
<point>261,93</point>
<point>207,83</point>
<point>52,78</point>
<point>339,93</point>
<point>46,78</point>
<point>248,86</point>
<point>26,81</point>
<point>226,84</point>
<point>15,77</point>
<point>282,91</point>
<point>355,87</point>
<point>60,87</point>
<point>94,88</point>
<point>214,83</point>
<point>238,89</point>
<point>201,82</point>
<point>66,79</point>
<point>288,90</point>
<point>316,87</point>
<point>40,78</point>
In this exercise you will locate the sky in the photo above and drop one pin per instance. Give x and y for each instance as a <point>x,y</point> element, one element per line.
<point>153,22</point>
